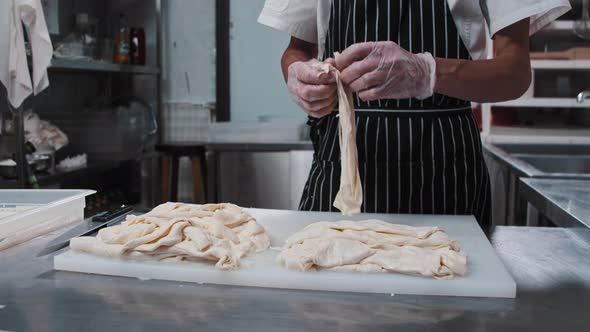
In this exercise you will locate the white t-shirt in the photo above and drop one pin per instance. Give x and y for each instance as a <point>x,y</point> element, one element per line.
<point>308,19</point>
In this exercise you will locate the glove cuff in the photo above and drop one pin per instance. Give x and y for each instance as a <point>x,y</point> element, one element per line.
<point>429,67</point>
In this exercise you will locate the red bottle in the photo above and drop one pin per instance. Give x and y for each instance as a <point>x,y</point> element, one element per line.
<point>137,40</point>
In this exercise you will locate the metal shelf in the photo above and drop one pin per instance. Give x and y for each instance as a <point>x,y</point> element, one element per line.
<point>90,170</point>
<point>94,66</point>
<point>560,64</point>
<point>566,26</point>
<point>543,103</point>
<point>88,67</point>
<point>58,177</point>
<point>536,135</point>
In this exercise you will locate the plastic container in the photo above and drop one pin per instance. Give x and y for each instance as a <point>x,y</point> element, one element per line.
<point>24,209</point>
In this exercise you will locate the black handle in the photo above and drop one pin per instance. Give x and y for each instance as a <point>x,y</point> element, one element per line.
<point>112,214</point>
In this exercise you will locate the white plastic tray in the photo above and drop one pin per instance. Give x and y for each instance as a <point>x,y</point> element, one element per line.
<point>487,276</point>
<point>23,209</point>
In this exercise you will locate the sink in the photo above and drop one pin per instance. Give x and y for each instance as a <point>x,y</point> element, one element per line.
<point>554,165</point>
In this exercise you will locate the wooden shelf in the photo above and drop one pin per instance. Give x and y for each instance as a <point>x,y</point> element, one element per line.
<point>543,103</point>
<point>94,66</point>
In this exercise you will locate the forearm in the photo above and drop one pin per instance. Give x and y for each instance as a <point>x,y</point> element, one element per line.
<point>505,77</point>
<point>499,79</point>
<point>297,50</point>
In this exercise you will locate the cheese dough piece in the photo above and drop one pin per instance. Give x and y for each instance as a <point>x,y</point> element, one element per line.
<point>350,194</point>
<point>222,233</point>
<point>374,246</point>
<point>375,232</point>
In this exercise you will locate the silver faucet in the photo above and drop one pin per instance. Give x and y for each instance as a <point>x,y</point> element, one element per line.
<point>582,96</point>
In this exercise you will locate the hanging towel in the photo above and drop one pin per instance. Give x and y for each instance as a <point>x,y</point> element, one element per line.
<point>33,17</point>
<point>14,71</point>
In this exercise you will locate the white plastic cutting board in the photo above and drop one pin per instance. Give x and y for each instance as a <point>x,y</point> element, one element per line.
<point>487,275</point>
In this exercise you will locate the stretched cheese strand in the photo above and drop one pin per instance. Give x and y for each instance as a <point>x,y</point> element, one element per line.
<point>350,195</point>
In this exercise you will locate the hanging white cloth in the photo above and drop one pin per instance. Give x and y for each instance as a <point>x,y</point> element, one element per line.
<point>33,17</point>
<point>14,71</point>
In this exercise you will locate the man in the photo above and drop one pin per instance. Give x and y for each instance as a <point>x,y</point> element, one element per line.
<point>415,66</point>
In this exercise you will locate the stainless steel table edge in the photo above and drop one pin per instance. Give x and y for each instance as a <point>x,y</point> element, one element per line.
<point>552,210</point>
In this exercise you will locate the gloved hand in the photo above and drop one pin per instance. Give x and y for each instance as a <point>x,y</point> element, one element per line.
<point>384,70</point>
<point>314,92</point>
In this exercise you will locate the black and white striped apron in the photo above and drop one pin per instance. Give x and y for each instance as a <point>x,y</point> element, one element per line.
<point>415,156</point>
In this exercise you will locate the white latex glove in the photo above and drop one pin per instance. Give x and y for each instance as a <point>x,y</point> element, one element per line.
<point>384,70</point>
<point>313,91</point>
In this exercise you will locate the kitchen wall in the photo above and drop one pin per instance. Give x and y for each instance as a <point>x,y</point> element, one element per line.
<point>257,86</point>
<point>188,61</point>
<point>189,51</point>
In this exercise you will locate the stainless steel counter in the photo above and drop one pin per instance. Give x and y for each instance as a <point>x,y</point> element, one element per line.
<point>565,202</point>
<point>508,163</point>
<point>551,161</point>
<point>260,147</point>
<point>275,173</point>
<point>550,266</point>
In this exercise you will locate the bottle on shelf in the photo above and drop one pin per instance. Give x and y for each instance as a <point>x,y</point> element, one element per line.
<point>137,46</point>
<point>122,49</point>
